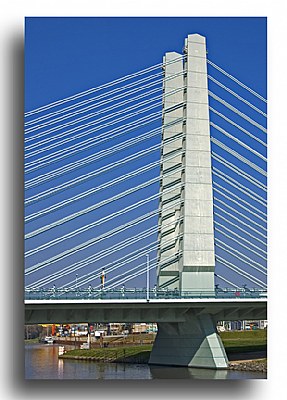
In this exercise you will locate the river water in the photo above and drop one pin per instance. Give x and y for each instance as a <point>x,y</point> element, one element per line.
<point>41,362</point>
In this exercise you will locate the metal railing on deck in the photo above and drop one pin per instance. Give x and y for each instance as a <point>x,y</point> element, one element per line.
<point>137,294</point>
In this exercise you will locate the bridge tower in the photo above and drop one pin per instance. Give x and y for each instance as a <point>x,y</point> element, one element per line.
<point>186,251</point>
<point>186,257</point>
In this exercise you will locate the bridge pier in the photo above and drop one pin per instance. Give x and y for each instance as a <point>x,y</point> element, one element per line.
<point>193,343</point>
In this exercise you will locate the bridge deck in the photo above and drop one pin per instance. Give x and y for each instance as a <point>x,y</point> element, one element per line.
<point>140,310</point>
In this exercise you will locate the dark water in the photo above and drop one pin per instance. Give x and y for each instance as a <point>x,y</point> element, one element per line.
<point>41,362</point>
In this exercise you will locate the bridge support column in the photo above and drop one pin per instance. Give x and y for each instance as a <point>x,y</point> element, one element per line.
<point>198,231</point>
<point>186,256</point>
<point>193,343</point>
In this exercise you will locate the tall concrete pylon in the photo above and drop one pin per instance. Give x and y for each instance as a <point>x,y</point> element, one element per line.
<point>186,257</point>
<point>172,161</point>
<point>186,253</point>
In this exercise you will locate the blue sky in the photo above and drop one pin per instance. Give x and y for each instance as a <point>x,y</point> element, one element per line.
<point>67,55</point>
<point>64,56</point>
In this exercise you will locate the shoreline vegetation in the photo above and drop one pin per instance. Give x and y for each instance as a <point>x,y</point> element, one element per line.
<point>246,351</point>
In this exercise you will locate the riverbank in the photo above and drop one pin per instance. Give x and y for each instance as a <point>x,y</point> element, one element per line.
<point>141,354</point>
<point>32,341</point>
<point>246,351</point>
<point>244,341</point>
<point>259,365</point>
<point>42,362</point>
<point>129,354</point>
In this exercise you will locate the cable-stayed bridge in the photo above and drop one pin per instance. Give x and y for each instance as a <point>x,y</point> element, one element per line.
<point>146,200</point>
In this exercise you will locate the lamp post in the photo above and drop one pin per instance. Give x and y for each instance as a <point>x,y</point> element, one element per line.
<point>76,283</point>
<point>147,277</point>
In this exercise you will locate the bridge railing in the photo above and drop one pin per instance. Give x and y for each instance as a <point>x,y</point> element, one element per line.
<point>135,294</point>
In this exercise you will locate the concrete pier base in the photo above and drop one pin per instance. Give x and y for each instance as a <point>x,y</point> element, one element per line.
<point>193,343</point>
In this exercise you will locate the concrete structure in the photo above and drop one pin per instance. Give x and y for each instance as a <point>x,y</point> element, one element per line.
<point>192,267</point>
<point>159,310</point>
<point>187,334</point>
<point>170,226</point>
<point>198,236</point>
<point>195,341</point>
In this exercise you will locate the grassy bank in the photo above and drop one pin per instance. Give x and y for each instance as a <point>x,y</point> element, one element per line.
<point>244,341</point>
<point>234,342</point>
<point>132,354</point>
<point>31,341</point>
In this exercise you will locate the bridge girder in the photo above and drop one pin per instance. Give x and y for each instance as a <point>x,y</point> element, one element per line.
<point>141,311</point>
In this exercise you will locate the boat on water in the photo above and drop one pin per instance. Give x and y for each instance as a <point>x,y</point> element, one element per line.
<point>49,340</point>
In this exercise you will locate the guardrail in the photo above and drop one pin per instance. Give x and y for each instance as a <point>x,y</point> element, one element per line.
<point>134,294</point>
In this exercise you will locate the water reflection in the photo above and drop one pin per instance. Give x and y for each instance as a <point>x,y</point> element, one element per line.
<point>158,372</point>
<point>42,362</point>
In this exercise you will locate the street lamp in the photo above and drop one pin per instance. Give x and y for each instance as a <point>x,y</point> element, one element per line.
<point>147,277</point>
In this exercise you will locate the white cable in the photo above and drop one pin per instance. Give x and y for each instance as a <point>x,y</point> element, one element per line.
<point>95,99</point>
<point>236,111</point>
<point>94,258</point>
<point>90,159</point>
<point>238,126</point>
<point>86,133</point>
<point>71,268</point>
<point>124,280</point>
<point>87,210</point>
<point>89,192</point>
<point>78,231</point>
<point>143,269</point>
<point>108,269</point>
<point>236,80</point>
<point>85,177</point>
<point>227,134</point>
<point>126,259</point>
<point>236,95</point>
<point>38,180</point>
<point>239,220</point>
<point>103,95</point>
<point>239,198</point>
<point>241,214</point>
<point>96,122</point>
<point>238,156</point>
<point>230,250</point>
<point>98,103</point>
<point>92,142</point>
<point>238,227</point>
<point>238,171</point>
<point>240,237</point>
<point>89,243</point>
<point>93,90</point>
<point>240,205</point>
<point>103,237</point>
<point>112,266</point>
<point>226,280</point>
<point>241,272</point>
<point>246,191</point>
<point>92,107</point>
<point>84,228</point>
<point>63,203</point>
<point>238,242</point>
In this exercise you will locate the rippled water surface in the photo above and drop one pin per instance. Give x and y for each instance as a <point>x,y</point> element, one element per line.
<point>41,362</point>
